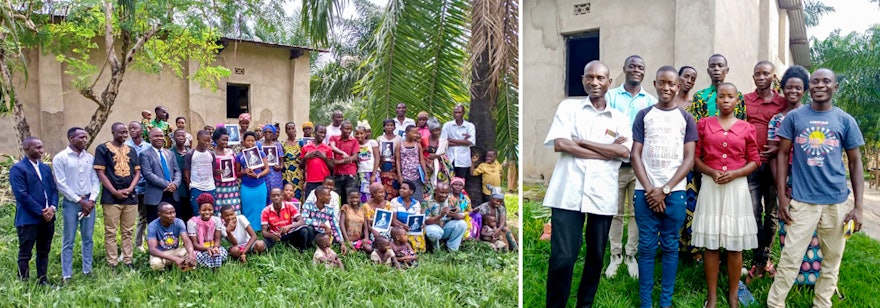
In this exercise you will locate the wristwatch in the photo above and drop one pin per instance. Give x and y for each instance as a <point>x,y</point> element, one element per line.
<point>666,189</point>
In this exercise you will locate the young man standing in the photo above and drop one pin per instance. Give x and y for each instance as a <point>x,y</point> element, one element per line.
<point>401,121</point>
<point>36,200</point>
<point>704,100</point>
<point>119,169</point>
<point>629,98</point>
<point>345,157</point>
<point>198,169</point>
<point>77,181</point>
<point>761,106</point>
<point>817,136</point>
<point>582,188</point>
<point>317,160</point>
<point>664,138</point>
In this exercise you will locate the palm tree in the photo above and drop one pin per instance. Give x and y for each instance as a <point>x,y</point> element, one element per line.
<point>814,10</point>
<point>432,55</point>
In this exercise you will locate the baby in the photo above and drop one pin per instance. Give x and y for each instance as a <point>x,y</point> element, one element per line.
<point>325,254</point>
<point>382,254</point>
<point>146,118</point>
<point>491,234</point>
<point>402,249</point>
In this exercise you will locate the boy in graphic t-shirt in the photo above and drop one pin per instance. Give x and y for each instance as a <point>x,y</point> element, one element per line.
<point>817,135</point>
<point>664,138</point>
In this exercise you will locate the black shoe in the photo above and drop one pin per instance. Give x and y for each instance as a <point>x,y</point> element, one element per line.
<point>44,283</point>
<point>130,267</point>
<point>113,268</point>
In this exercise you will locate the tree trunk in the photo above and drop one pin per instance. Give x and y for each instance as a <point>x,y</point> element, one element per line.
<point>22,128</point>
<point>97,122</point>
<point>481,113</point>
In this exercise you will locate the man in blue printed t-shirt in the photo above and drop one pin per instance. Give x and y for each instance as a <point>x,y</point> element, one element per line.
<point>817,135</point>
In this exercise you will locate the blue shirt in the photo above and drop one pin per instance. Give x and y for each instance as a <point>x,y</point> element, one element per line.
<point>168,238</point>
<point>247,180</point>
<point>819,138</point>
<point>139,188</point>
<point>624,102</point>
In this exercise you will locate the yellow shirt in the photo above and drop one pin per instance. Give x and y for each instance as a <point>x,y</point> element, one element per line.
<point>491,175</point>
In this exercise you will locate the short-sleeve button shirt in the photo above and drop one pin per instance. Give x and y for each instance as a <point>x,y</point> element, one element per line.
<point>726,150</point>
<point>585,185</point>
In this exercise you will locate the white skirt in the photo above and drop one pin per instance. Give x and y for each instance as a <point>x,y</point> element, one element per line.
<point>723,217</point>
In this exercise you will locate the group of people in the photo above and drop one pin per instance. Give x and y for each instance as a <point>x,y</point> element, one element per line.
<point>200,200</point>
<point>702,174</point>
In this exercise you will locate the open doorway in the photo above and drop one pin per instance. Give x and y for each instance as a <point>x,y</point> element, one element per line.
<point>581,48</point>
<point>237,99</point>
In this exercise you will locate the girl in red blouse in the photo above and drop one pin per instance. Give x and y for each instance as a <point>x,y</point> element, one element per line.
<point>726,154</point>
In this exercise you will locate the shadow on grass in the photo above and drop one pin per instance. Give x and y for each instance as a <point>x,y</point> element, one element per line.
<point>858,275</point>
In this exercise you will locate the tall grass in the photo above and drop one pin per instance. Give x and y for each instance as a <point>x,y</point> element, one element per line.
<point>476,277</point>
<point>859,276</point>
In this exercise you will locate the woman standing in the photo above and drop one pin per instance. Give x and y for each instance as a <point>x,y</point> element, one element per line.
<point>292,175</point>
<point>412,164</point>
<point>253,185</point>
<point>435,155</point>
<point>387,166</point>
<point>687,76</point>
<point>228,193</point>
<point>726,153</point>
<point>274,177</point>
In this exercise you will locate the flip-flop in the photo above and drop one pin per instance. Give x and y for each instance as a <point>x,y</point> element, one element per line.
<point>770,269</point>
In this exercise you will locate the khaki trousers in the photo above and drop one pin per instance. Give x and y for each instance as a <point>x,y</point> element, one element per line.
<point>119,217</point>
<point>626,184</point>
<point>827,220</point>
<point>159,264</point>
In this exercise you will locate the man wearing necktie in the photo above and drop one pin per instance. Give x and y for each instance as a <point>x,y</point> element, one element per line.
<point>118,169</point>
<point>162,175</point>
<point>36,199</point>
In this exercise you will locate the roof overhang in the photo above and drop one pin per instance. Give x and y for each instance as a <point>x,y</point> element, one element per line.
<point>798,41</point>
<point>295,51</point>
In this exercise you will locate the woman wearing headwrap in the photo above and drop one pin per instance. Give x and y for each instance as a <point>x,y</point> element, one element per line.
<point>244,122</point>
<point>308,128</point>
<point>459,196</point>
<point>422,125</point>
<point>270,139</point>
<point>293,175</point>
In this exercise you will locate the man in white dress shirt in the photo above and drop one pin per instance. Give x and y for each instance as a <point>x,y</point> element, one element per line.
<point>461,135</point>
<point>78,182</point>
<point>592,139</point>
<point>401,121</point>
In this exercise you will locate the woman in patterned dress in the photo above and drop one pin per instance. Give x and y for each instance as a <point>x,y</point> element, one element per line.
<point>376,201</point>
<point>387,165</point>
<point>274,178</point>
<point>292,174</point>
<point>227,192</point>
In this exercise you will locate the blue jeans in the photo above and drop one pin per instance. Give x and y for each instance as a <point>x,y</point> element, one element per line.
<point>193,195</point>
<point>453,231</point>
<point>654,228</point>
<point>71,211</point>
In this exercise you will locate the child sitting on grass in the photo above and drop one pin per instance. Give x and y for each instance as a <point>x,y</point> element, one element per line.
<point>382,253</point>
<point>324,254</point>
<point>205,233</point>
<point>240,235</point>
<point>490,233</point>
<point>402,249</point>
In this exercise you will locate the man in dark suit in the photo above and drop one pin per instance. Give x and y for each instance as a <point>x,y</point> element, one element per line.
<point>36,199</point>
<point>162,175</point>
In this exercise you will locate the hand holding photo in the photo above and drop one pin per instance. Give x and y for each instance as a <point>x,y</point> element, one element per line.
<point>234,134</point>
<point>382,220</point>
<point>227,172</point>
<point>416,224</point>
<point>252,158</point>
<point>272,157</point>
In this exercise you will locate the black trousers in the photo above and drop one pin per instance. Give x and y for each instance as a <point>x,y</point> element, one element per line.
<point>565,244</point>
<point>344,184</point>
<point>39,234</point>
<point>153,209</point>
<point>310,186</point>
<point>300,239</point>
<point>763,188</point>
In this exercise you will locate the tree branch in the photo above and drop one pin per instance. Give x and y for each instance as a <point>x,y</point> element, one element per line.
<point>108,36</point>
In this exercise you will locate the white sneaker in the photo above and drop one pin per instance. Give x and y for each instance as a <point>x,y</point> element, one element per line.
<point>611,271</point>
<point>632,267</point>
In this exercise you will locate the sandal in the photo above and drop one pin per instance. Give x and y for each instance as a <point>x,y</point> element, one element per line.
<point>754,273</point>
<point>769,269</point>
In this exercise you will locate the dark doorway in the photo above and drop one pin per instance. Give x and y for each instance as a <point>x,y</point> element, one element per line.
<point>580,49</point>
<point>237,99</point>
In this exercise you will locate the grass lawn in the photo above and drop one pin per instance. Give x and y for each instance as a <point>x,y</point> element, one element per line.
<point>858,275</point>
<point>476,276</point>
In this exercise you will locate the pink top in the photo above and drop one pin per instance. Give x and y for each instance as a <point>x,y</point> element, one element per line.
<point>726,150</point>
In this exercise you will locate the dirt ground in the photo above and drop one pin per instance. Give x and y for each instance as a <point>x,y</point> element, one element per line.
<point>871,212</point>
